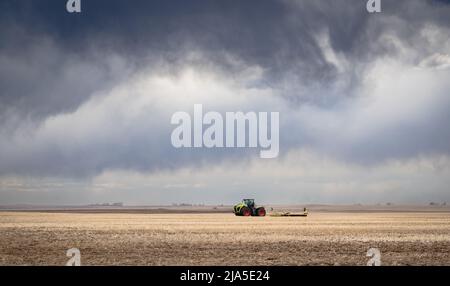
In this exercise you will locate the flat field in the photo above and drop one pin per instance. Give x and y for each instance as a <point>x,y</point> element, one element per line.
<point>322,238</point>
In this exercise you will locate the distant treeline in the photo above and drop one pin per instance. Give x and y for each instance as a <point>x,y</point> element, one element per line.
<point>107,205</point>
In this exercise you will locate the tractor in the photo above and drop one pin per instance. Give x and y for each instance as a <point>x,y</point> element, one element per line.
<point>247,208</point>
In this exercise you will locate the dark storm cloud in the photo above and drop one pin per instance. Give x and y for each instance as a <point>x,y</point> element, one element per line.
<point>52,62</point>
<point>258,32</point>
<point>276,35</point>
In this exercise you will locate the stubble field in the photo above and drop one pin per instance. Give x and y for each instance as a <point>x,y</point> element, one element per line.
<point>32,238</point>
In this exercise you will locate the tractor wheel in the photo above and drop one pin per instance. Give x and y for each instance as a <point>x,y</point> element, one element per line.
<point>245,211</point>
<point>261,211</point>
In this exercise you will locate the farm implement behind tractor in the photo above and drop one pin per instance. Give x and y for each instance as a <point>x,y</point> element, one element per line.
<point>304,213</point>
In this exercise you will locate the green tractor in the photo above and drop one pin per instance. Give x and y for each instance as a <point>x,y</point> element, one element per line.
<point>247,208</point>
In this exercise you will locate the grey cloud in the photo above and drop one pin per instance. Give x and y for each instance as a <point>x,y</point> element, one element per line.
<point>279,36</point>
<point>53,63</point>
<point>41,79</point>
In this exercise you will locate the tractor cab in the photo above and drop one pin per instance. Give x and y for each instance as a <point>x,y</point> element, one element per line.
<point>249,203</point>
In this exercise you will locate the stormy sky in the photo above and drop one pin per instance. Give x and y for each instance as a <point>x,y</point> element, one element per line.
<point>86,100</point>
